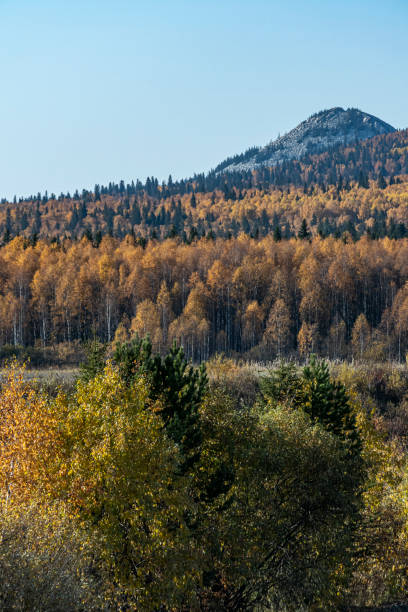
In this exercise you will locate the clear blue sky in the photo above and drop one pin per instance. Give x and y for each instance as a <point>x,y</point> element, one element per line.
<point>93,91</point>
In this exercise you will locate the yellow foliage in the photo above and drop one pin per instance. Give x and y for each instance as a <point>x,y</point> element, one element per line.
<point>121,483</point>
<point>30,445</point>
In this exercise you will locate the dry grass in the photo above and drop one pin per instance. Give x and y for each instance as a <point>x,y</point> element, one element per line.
<point>50,380</point>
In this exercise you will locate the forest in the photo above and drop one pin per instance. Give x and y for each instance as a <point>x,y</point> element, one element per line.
<point>358,190</point>
<point>258,298</point>
<point>232,432</point>
<point>243,265</point>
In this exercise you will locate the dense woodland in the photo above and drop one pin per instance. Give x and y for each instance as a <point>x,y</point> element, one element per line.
<point>234,263</point>
<point>167,475</point>
<point>358,189</point>
<point>259,297</point>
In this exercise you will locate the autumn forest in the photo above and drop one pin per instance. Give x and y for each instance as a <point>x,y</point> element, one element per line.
<point>258,297</point>
<point>309,257</point>
<point>224,425</point>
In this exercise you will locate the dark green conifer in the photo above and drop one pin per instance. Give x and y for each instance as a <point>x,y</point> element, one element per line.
<point>304,231</point>
<point>381,184</point>
<point>179,385</point>
<point>95,360</point>
<point>313,390</point>
<point>277,234</point>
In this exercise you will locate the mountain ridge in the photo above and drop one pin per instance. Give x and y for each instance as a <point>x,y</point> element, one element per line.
<point>320,132</point>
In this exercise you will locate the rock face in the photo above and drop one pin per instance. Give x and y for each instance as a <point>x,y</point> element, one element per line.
<point>317,134</point>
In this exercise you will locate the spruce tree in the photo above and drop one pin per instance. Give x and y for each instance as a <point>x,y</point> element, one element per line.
<point>313,390</point>
<point>381,184</point>
<point>277,234</point>
<point>326,400</point>
<point>362,180</point>
<point>304,231</point>
<point>95,360</point>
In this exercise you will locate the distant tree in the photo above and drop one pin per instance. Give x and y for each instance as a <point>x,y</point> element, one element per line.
<point>304,233</point>
<point>307,339</point>
<point>362,180</point>
<point>381,184</point>
<point>277,331</point>
<point>277,234</point>
<point>97,193</point>
<point>360,335</point>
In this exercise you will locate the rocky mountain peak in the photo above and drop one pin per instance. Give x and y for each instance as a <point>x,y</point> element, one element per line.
<point>318,133</point>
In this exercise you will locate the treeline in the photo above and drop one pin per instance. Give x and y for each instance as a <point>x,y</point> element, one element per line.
<point>376,208</point>
<point>384,155</point>
<point>261,298</point>
<point>152,484</point>
<point>344,190</point>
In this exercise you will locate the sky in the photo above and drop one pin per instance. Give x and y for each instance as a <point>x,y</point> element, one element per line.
<point>97,91</point>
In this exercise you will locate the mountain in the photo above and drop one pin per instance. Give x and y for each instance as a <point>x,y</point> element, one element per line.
<point>319,133</point>
<point>358,188</point>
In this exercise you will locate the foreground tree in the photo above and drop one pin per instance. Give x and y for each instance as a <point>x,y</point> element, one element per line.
<point>279,497</point>
<point>121,483</point>
<point>29,440</point>
<point>47,563</point>
<point>179,387</point>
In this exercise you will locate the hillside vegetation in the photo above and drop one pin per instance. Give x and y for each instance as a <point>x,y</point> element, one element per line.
<point>357,189</point>
<point>165,474</point>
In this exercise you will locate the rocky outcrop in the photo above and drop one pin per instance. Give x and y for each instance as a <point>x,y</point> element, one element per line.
<point>319,133</point>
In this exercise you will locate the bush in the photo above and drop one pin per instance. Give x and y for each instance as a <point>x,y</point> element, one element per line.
<point>240,380</point>
<point>44,564</point>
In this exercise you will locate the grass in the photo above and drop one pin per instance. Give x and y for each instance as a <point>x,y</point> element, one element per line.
<point>50,380</point>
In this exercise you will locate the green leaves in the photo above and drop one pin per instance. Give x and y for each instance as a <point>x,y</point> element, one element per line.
<point>180,387</point>
<point>277,517</point>
<point>95,360</point>
<point>313,391</point>
<point>181,499</point>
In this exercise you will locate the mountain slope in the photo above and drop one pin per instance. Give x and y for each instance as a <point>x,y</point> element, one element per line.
<point>318,133</point>
<point>345,188</point>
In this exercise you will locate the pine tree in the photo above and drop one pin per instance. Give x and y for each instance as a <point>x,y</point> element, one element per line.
<point>179,385</point>
<point>381,184</point>
<point>362,180</point>
<point>304,231</point>
<point>326,401</point>
<point>277,234</point>
<point>313,391</point>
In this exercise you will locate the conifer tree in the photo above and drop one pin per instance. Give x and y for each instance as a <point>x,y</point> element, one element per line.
<point>304,231</point>
<point>313,390</point>
<point>277,234</point>
<point>326,401</point>
<point>95,360</point>
<point>381,184</point>
<point>179,385</point>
